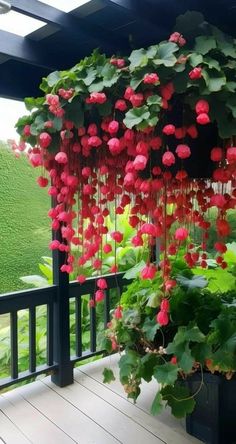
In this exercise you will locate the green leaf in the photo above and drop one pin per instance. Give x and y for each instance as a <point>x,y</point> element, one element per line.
<point>91,75</point>
<point>133,272</point>
<point>195,59</point>
<point>148,362</point>
<point>108,376</point>
<point>185,359</point>
<point>57,123</point>
<point>31,102</point>
<point>131,316</point>
<point>212,63</point>
<point>53,78</point>
<point>157,405</point>
<point>220,281</point>
<point>150,328</point>
<point>154,100</point>
<point>96,86</point>
<point>194,282</point>
<point>35,280</point>
<point>165,54</point>
<point>166,373</point>
<point>74,112</point>
<point>179,400</point>
<point>205,44</point>
<point>138,58</point>
<point>135,116</point>
<point>190,24</point>
<point>201,352</point>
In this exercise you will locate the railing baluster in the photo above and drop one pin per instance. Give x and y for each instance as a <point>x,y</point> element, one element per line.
<point>32,339</point>
<point>78,326</point>
<point>107,308</point>
<point>14,345</point>
<point>49,334</point>
<point>93,328</point>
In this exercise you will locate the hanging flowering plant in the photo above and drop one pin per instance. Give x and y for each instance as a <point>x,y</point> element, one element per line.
<point>144,131</point>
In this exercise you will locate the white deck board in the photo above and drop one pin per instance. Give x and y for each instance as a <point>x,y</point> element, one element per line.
<point>86,412</point>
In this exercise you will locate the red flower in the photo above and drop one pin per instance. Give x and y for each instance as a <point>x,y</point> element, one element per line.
<point>167,91</point>
<point>114,146</point>
<point>176,37</point>
<point>165,304</point>
<point>202,107</point>
<point>195,74</point>
<point>183,151</point>
<point>99,296</point>
<point>81,278</point>
<point>120,63</point>
<point>223,227</point>
<point>136,99</point>
<point>117,236</point>
<point>218,200</point>
<point>42,181</point>
<point>220,247</point>
<point>137,241</point>
<point>140,162</point>
<point>113,127</point>
<point>169,284</point>
<point>173,360</point>
<point>94,141</point>
<point>231,154</point>
<point>148,272</point>
<point>162,318</point>
<point>128,93</point>
<point>181,234</point>
<point>151,78</point>
<point>44,140</point>
<point>150,229</point>
<point>118,312</point>
<point>155,143</point>
<point>169,130</point>
<point>107,248</point>
<point>168,158</point>
<point>192,131</point>
<point>203,119</point>
<point>121,105</point>
<point>96,97</point>
<point>61,158</point>
<point>102,284</point>
<point>216,154</point>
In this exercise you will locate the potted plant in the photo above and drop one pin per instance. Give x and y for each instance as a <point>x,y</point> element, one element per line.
<point>192,358</point>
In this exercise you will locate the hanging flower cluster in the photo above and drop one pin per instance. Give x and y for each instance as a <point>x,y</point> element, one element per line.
<point>112,134</point>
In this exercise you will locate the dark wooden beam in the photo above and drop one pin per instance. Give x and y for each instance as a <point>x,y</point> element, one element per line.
<point>23,49</point>
<point>69,23</point>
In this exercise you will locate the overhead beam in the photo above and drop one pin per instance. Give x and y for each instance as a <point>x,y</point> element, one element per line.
<point>21,48</point>
<point>67,22</point>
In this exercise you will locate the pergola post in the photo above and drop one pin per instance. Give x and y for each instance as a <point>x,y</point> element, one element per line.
<point>61,324</point>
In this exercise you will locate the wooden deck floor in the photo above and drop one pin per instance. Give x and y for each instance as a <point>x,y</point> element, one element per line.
<point>86,412</point>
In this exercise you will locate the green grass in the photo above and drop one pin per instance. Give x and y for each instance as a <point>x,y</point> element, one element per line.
<point>24,224</point>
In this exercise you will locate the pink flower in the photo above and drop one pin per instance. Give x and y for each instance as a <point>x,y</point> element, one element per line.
<point>169,130</point>
<point>121,105</point>
<point>151,78</point>
<point>168,158</point>
<point>54,245</point>
<point>42,181</point>
<point>107,248</point>
<point>120,63</point>
<point>142,148</point>
<point>149,229</point>
<point>35,160</point>
<point>94,141</point>
<point>52,99</point>
<point>148,272</point>
<point>137,99</point>
<point>114,146</point>
<point>183,151</point>
<point>216,154</point>
<point>192,131</point>
<point>129,179</point>
<point>202,107</point>
<point>102,284</point>
<point>128,93</point>
<point>162,318</point>
<point>203,119</point>
<point>61,158</point>
<point>181,234</point>
<point>218,200</point>
<point>231,154</point>
<point>167,91</point>
<point>26,131</point>
<point>118,312</point>
<point>220,247</point>
<point>176,37</point>
<point>140,163</point>
<point>155,143</point>
<point>81,278</point>
<point>180,133</point>
<point>97,97</point>
<point>165,305</point>
<point>169,284</point>
<point>137,241</point>
<point>44,140</point>
<point>117,236</point>
<point>195,74</point>
<point>113,127</point>
<point>99,296</point>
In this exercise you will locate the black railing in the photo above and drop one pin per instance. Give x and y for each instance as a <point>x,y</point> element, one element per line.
<point>59,360</point>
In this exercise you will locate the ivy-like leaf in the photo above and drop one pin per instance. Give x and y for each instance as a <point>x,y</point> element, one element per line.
<point>179,400</point>
<point>165,54</point>
<point>148,362</point>
<point>31,102</point>
<point>205,44</point>
<point>157,405</point>
<point>138,58</point>
<point>154,100</point>
<point>150,328</point>
<point>166,373</point>
<point>135,116</point>
<point>214,84</point>
<point>195,59</point>
<point>108,376</point>
<point>194,282</point>
<point>133,272</point>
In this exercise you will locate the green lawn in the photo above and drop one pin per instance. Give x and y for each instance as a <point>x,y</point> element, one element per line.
<point>24,225</point>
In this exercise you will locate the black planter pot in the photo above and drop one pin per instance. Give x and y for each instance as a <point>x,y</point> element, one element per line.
<point>214,418</point>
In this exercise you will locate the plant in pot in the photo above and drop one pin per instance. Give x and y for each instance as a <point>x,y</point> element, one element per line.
<point>192,358</point>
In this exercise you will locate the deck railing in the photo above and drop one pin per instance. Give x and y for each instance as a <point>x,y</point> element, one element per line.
<point>59,358</point>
